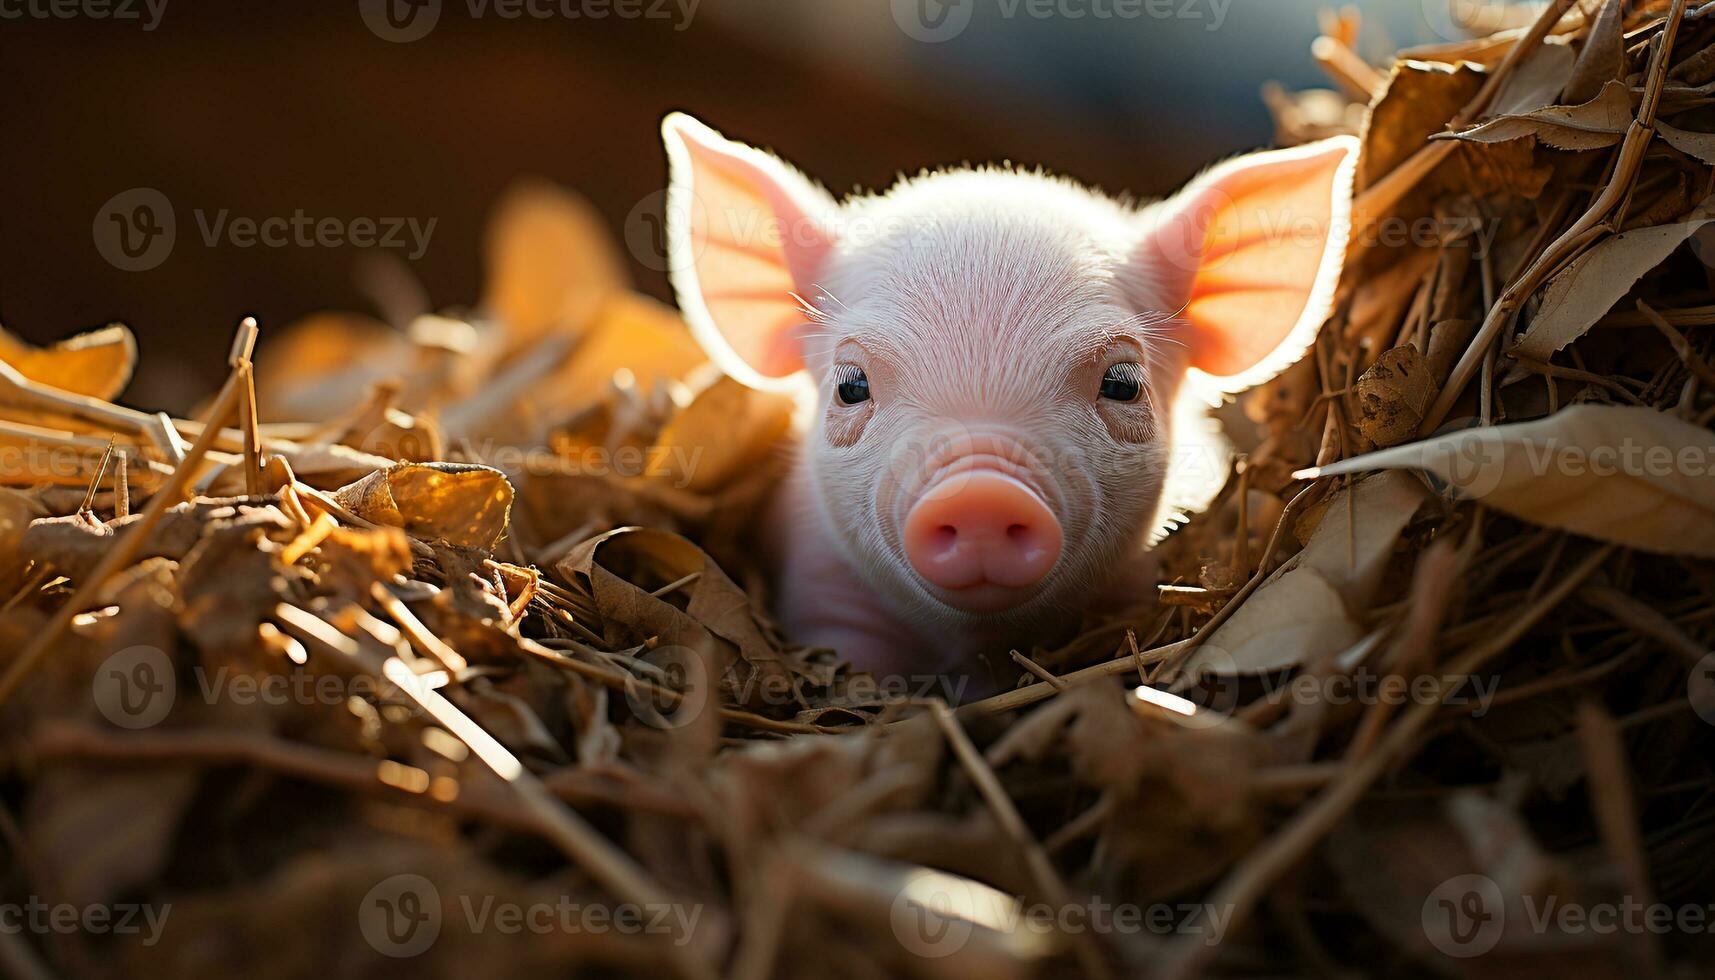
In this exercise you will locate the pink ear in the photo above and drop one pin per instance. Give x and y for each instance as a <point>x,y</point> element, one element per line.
<point>746,236</point>
<point>1252,250</point>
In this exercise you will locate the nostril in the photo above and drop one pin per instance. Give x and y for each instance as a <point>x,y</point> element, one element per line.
<point>1016,533</point>
<point>946,535</point>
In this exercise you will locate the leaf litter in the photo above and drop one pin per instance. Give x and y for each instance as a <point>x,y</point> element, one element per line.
<point>450,612</point>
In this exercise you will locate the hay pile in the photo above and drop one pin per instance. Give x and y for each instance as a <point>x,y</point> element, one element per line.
<point>473,675</point>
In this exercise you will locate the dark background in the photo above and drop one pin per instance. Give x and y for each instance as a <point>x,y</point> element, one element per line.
<point>268,108</point>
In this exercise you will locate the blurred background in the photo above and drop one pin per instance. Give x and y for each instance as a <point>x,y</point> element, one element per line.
<point>415,114</point>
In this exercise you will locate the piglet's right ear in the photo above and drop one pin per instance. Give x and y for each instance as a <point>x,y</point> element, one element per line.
<point>746,237</point>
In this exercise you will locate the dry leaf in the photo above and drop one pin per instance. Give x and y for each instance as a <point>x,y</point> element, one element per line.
<point>1536,82</point>
<point>460,503</point>
<point>549,262</point>
<point>630,333</point>
<point>1626,474</point>
<point>97,363</point>
<point>1600,122</point>
<point>1603,56</point>
<point>1699,145</point>
<point>17,510</point>
<point>1393,395</point>
<point>324,364</point>
<point>1594,282</point>
<point>1420,98</point>
<point>1307,609</point>
<point>726,430</point>
<point>1508,167</point>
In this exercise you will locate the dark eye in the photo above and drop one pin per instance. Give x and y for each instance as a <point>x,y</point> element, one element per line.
<point>1123,382</point>
<point>853,385</point>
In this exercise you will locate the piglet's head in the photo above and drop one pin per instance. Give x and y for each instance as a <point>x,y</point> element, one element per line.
<point>996,353</point>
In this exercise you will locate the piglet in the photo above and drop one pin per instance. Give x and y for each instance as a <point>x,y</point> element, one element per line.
<point>997,357</point>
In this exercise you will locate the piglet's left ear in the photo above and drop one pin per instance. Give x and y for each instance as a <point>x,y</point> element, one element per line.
<point>1252,252</point>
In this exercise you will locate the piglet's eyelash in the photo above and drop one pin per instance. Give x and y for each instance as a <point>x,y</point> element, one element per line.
<point>1129,371</point>
<point>846,374</point>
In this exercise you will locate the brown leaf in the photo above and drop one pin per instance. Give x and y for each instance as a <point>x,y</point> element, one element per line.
<point>1536,82</point>
<point>324,364</point>
<point>725,430</point>
<point>624,567</point>
<point>630,333</point>
<point>97,363</point>
<point>1393,395</point>
<point>549,262</point>
<point>1421,97</point>
<point>460,503</point>
<point>1600,122</point>
<point>1307,609</point>
<point>17,510</point>
<point>1594,282</point>
<point>1699,145</point>
<point>1602,59</point>
<point>1626,474</point>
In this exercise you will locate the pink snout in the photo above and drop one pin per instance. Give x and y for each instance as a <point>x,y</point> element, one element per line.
<point>982,536</point>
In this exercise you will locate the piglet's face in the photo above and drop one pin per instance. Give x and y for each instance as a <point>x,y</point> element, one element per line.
<point>996,353</point>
